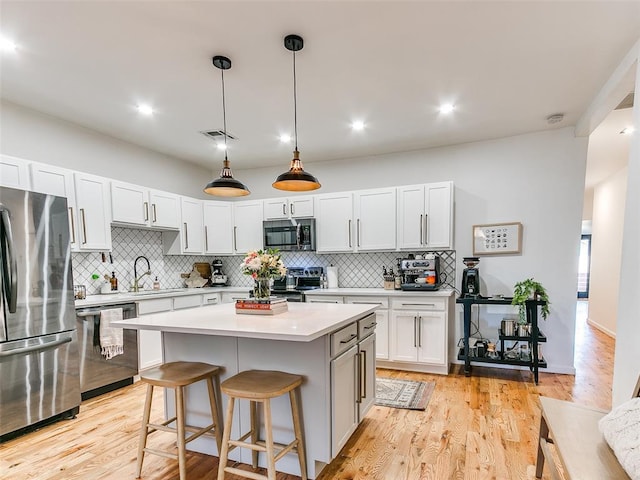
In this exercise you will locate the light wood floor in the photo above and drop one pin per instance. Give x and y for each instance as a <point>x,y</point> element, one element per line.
<point>479,427</point>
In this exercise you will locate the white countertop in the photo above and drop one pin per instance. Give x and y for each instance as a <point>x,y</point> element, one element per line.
<point>303,322</point>
<point>128,297</point>
<point>380,292</point>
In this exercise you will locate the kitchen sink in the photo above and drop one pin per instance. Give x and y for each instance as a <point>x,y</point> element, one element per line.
<point>155,292</point>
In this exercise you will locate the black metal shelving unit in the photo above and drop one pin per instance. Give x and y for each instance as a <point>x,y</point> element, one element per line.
<point>533,339</point>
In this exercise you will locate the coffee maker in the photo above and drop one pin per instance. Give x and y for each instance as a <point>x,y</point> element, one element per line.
<point>470,278</point>
<point>218,278</point>
<point>420,273</point>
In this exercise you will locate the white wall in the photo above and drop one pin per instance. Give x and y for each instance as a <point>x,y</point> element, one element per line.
<point>587,207</point>
<point>606,251</point>
<point>627,357</point>
<point>34,136</point>
<point>536,179</point>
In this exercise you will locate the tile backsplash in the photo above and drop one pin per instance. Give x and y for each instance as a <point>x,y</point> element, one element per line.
<point>355,270</point>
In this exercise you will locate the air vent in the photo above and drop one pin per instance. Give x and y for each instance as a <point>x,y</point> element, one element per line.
<point>627,102</point>
<point>218,135</point>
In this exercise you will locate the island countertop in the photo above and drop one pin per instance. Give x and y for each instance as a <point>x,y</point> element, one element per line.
<point>303,322</point>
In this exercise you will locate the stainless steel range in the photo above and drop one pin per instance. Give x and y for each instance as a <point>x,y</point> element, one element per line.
<point>296,282</point>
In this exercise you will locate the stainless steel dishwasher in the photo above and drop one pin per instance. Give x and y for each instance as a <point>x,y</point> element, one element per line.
<point>98,375</point>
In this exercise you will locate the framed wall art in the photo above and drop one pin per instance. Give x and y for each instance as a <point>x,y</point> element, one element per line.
<point>497,238</point>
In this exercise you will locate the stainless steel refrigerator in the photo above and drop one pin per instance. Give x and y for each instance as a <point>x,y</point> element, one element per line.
<point>39,367</point>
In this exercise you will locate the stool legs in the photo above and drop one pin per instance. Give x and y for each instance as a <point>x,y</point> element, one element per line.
<point>297,428</point>
<point>182,460</point>
<point>255,428</point>
<point>215,414</point>
<point>226,436</point>
<point>271,461</point>
<point>144,429</point>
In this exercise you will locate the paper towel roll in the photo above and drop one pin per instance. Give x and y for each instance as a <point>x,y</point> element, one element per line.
<point>332,277</point>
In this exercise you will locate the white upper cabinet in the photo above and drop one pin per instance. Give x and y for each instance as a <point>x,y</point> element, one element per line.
<point>218,228</point>
<point>247,226</point>
<point>93,213</point>
<point>136,205</point>
<point>283,208</point>
<point>375,219</point>
<point>58,181</point>
<point>192,226</point>
<point>334,222</point>
<point>425,216</point>
<point>14,172</point>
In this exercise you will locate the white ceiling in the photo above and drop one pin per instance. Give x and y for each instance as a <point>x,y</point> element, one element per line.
<point>506,65</point>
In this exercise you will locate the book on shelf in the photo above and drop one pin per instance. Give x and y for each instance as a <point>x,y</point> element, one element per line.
<point>262,309</point>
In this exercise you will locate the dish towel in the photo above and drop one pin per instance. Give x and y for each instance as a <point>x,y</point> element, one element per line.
<point>111,338</point>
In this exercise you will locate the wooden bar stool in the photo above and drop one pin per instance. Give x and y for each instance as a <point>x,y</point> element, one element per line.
<point>178,375</point>
<point>261,386</point>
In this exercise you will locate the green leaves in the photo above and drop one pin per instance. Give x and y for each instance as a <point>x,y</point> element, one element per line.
<point>526,290</point>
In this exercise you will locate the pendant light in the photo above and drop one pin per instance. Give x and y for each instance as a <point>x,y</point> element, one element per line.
<point>296,179</point>
<point>225,185</point>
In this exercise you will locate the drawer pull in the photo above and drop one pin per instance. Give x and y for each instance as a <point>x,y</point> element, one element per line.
<point>369,327</point>
<point>351,337</point>
<point>367,303</point>
<point>418,304</point>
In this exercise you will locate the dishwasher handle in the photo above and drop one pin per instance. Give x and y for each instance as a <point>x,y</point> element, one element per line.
<point>96,311</point>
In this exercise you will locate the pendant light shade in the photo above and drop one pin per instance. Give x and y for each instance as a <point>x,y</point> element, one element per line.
<point>225,185</point>
<point>296,179</point>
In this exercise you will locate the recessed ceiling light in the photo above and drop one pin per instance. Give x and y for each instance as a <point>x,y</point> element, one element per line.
<point>627,131</point>
<point>145,109</point>
<point>284,138</point>
<point>358,125</point>
<point>221,146</point>
<point>447,108</point>
<point>7,45</point>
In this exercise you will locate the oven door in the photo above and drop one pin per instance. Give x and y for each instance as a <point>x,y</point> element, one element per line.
<point>290,295</point>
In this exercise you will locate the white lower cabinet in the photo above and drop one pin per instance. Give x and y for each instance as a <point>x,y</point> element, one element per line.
<point>344,408</point>
<point>150,341</point>
<point>419,333</point>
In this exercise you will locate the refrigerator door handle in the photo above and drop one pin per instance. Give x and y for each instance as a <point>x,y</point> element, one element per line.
<point>13,264</point>
<point>34,348</point>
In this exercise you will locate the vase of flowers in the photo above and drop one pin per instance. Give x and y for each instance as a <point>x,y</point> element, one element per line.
<point>263,266</point>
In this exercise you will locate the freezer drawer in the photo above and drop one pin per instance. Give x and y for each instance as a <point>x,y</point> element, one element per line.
<point>39,379</point>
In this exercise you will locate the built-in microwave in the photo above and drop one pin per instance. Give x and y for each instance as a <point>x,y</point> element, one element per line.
<point>290,235</point>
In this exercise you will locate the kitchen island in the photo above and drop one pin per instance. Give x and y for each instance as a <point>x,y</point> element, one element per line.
<point>331,346</point>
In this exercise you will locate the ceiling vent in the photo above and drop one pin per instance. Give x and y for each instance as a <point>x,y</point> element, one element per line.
<point>627,102</point>
<point>218,135</point>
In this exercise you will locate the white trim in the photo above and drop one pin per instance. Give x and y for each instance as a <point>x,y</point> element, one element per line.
<point>605,330</point>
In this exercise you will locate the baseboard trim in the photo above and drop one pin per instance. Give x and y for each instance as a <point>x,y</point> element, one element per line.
<point>604,330</point>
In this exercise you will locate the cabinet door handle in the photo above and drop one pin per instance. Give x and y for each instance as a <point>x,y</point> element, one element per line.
<point>415,328</point>
<point>155,214</point>
<point>206,238</point>
<point>72,225</point>
<point>426,232</point>
<point>186,235</point>
<point>291,209</point>
<point>284,208</point>
<point>351,337</point>
<point>363,390</point>
<point>235,239</point>
<point>84,226</point>
<point>358,376</point>
<point>350,234</point>
<point>421,231</point>
<point>358,231</point>
<point>419,331</point>
<point>146,211</point>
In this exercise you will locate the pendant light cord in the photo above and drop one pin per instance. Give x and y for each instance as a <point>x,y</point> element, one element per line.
<point>295,102</point>
<point>224,117</point>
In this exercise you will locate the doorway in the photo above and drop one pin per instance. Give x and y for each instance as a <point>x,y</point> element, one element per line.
<point>584,266</point>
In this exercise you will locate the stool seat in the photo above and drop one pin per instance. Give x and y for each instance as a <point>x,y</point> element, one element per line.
<point>256,384</point>
<point>173,374</point>
<point>178,376</point>
<point>260,386</point>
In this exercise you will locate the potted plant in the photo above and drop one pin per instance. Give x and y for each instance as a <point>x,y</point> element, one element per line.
<point>529,289</point>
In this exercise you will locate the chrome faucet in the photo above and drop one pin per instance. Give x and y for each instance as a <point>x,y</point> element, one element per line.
<point>136,279</point>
